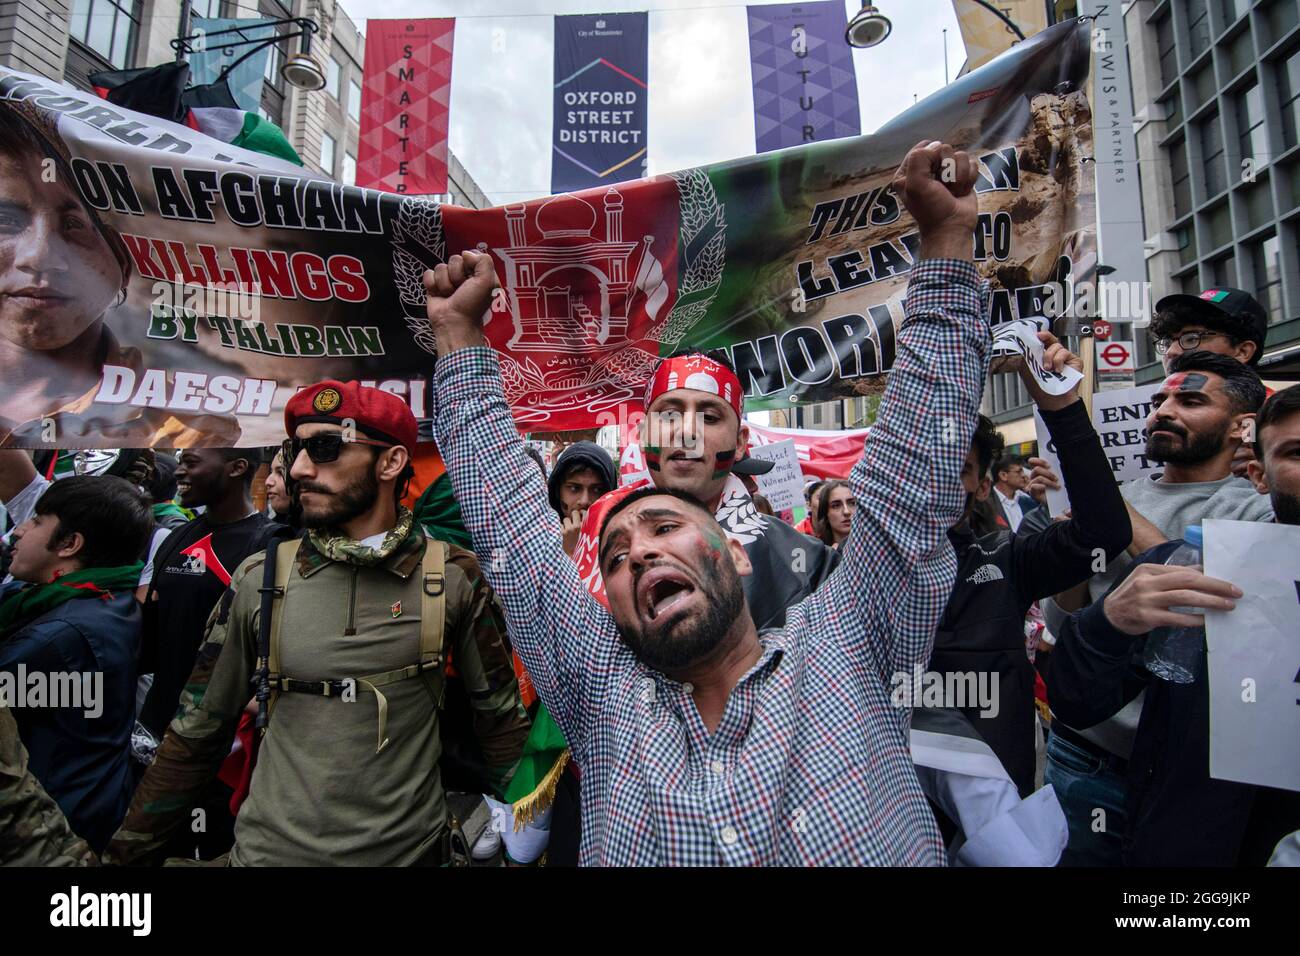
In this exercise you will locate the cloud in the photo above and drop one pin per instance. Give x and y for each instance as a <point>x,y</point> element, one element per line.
<point>700,99</point>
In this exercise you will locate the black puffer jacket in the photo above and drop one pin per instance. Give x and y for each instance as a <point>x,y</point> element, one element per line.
<point>581,454</point>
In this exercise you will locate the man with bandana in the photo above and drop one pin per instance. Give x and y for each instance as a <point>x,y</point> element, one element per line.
<point>1178,815</point>
<point>348,770</point>
<point>701,740</point>
<point>691,436</point>
<point>1199,417</point>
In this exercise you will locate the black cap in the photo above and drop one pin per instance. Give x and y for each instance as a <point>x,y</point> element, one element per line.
<point>1238,307</point>
<point>749,465</point>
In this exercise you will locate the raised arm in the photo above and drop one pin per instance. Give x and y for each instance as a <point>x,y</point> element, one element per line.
<point>16,473</point>
<point>563,635</point>
<point>898,565</point>
<point>1067,552</point>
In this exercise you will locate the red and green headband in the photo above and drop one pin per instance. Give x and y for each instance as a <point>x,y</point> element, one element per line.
<point>698,372</point>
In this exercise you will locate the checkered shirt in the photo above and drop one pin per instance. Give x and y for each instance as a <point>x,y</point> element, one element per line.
<point>811,763</point>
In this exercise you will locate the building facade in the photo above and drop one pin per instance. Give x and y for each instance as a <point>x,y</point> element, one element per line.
<point>71,39</point>
<point>1216,97</point>
<point>1216,106</point>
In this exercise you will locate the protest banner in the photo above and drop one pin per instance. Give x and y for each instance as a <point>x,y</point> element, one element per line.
<point>1254,657</point>
<point>209,283</point>
<point>783,485</point>
<point>825,454</point>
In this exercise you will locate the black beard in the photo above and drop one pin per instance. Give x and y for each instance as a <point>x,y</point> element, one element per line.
<point>352,502</point>
<point>695,639</point>
<point>1286,508</point>
<point>1200,448</point>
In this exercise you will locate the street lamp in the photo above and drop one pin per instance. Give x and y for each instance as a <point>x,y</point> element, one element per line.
<point>868,27</point>
<point>1011,24</point>
<point>299,70</point>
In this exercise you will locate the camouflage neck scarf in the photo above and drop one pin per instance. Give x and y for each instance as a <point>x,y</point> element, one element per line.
<point>339,547</point>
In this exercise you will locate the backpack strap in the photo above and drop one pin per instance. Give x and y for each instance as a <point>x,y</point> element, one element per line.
<point>433,607</point>
<point>286,556</point>
<point>433,610</point>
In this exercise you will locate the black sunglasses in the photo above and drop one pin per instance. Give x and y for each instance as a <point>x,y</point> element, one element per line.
<point>323,448</point>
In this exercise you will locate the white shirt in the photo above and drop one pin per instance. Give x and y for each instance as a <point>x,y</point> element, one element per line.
<point>1011,507</point>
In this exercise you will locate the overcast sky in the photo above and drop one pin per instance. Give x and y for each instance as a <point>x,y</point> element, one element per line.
<point>700,100</point>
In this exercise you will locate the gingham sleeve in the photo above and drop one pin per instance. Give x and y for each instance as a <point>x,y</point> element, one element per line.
<point>898,566</point>
<point>565,638</point>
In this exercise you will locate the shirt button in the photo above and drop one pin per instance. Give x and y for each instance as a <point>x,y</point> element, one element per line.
<point>716,766</point>
<point>729,835</point>
<point>689,688</point>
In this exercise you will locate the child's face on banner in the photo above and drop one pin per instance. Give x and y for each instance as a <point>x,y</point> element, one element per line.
<point>57,274</point>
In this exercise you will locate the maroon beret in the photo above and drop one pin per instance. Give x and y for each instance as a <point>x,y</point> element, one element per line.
<point>378,414</point>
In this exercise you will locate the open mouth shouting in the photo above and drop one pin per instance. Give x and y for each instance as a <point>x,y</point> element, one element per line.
<point>661,590</point>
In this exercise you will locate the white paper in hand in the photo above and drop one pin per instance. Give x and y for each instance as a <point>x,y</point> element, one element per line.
<point>1058,499</point>
<point>1020,338</point>
<point>1254,654</point>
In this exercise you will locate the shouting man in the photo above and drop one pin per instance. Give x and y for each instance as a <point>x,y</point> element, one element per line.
<point>701,740</point>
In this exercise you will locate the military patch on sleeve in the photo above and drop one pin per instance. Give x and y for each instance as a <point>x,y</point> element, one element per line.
<point>396,609</point>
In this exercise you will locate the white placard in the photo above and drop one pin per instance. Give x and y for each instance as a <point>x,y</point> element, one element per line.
<point>1254,659</point>
<point>1020,338</point>
<point>783,485</point>
<point>1058,500</point>
<point>1120,417</point>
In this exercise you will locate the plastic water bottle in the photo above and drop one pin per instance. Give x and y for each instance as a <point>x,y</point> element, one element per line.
<point>1174,653</point>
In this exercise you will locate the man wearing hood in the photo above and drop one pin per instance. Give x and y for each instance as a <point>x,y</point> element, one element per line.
<point>583,472</point>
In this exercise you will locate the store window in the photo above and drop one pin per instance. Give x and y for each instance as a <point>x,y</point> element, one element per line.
<point>109,27</point>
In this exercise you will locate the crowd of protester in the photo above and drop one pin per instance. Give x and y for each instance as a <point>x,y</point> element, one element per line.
<point>448,653</point>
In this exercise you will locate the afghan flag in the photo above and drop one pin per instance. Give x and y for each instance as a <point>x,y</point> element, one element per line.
<point>212,110</point>
<point>241,128</point>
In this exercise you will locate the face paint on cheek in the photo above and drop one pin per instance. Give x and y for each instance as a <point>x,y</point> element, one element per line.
<point>716,544</point>
<point>652,454</point>
<point>722,462</point>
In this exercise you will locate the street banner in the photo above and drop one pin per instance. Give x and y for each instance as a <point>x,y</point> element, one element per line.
<point>783,485</point>
<point>822,453</point>
<point>207,283</point>
<point>986,35</point>
<point>1254,657</point>
<point>211,56</point>
<point>405,100</point>
<point>599,118</point>
<point>805,88</point>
